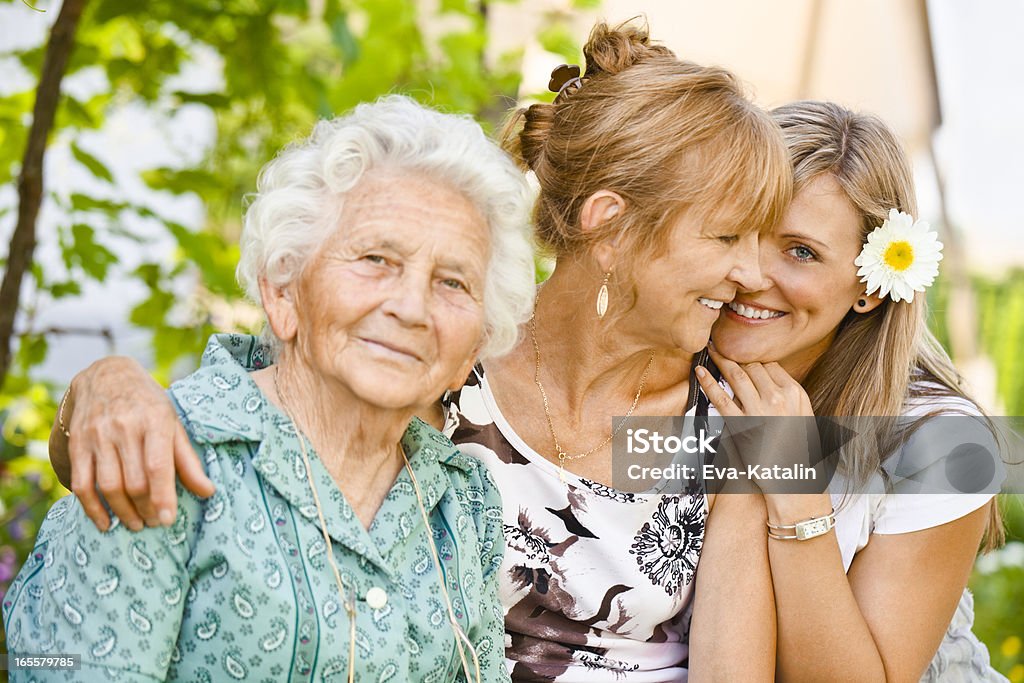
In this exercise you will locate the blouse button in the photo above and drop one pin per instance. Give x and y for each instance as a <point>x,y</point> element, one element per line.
<point>376,598</point>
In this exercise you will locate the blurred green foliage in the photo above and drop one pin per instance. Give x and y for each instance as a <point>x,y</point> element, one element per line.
<point>999,306</point>
<point>998,579</point>
<point>998,587</point>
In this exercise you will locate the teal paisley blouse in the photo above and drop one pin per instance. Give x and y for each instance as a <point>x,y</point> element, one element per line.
<point>239,587</point>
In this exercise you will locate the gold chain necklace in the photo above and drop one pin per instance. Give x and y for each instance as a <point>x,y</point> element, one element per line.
<point>348,595</point>
<point>562,455</point>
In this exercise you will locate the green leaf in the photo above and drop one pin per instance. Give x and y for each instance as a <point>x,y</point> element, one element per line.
<point>152,311</point>
<point>38,276</point>
<point>91,256</point>
<point>179,181</point>
<point>76,114</point>
<point>94,165</point>
<point>461,6</point>
<point>81,202</point>
<point>32,350</point>
<point>213,100</point>
<point>59,290</point>
<point>558,40</point>
<point>149,273</point>
<point>215,258</point>
<point>343,39</point>
<point>32,59</point>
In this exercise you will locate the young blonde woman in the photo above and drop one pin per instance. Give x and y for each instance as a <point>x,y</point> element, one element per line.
<point>656,177</point>
<point>881,597</point>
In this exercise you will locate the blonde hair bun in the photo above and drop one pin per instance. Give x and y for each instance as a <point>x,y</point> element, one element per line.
<point>613,50</point>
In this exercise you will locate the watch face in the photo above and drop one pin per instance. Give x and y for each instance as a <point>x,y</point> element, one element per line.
<point>813,527</point>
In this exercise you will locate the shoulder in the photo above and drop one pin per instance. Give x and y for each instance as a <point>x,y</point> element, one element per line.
<point>472,491</point>
<point>941,426</point>
<point>949,465</point>
<point>464,471</point>
<point>219,402</point>
<point>927,398</point>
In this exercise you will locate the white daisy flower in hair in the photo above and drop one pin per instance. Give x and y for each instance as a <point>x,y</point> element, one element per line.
<point>900,257</point>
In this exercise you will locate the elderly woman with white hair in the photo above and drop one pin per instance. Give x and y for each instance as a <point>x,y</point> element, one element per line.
<point>346,537</point>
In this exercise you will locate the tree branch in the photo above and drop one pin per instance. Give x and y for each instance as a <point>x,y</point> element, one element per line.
<point>30,180</point>
<point>104,333</point>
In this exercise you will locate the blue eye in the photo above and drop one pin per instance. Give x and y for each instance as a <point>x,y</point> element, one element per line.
<point>802,253</point>
<point>452,283</point>
<point>375,258</point>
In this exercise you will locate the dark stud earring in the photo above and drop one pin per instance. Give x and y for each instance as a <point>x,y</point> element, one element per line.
<point>862,302</point>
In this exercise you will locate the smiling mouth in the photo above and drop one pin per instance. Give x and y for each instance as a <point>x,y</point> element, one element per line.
<point>391,348</point>
<point>754,313</point>
<point>713,304</point>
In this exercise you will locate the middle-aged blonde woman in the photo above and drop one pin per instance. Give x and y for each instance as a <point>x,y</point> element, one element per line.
<point>656,176</point>
<point>881,595</point>
<point>343,541</point>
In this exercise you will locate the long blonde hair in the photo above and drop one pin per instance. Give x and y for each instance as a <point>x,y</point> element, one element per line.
<point>880,358</point>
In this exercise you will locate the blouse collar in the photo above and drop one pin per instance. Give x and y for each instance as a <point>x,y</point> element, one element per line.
<point>221,404</point>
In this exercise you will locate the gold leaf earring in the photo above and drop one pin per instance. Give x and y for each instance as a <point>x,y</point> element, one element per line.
<point>602,297</point>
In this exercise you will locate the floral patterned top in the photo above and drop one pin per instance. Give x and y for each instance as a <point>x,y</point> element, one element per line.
<point>239,587</point>
<point>597,583</point>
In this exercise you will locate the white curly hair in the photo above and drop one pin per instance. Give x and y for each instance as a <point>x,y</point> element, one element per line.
<point>300,193</point>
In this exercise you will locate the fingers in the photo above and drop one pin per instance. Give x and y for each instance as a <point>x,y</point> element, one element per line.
<point>794,398</point>
<point>158,449</point>
<point>111,484</point>
<point>742,386</point>
<point>127,436</point>
<point>763,381</point>
<point>716,394</point>
<point>778,375</point>
<point>83,485</point>
<point>134,467</point>
<point>189,466</point>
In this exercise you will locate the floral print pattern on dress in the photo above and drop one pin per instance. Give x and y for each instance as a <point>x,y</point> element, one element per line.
<point>667,548</point>
<point>579,607</point>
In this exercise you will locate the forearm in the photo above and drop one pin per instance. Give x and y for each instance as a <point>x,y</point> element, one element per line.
<point>85,590</point>
<point>822,634</point>
<point>59,457</point>
<point>732,636</point>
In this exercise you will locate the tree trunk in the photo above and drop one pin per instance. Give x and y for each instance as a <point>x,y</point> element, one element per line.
<point>30,180</point>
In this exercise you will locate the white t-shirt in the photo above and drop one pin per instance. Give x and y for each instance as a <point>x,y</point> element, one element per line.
<point>923,479</point>
<point>922,493</point>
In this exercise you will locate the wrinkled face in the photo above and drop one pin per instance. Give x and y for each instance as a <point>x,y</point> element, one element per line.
<point>391,307</point>
<point>810,284</point>
<point>681,292</point>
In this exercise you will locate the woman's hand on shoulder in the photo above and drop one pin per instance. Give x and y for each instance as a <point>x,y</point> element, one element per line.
<point>126,444</point>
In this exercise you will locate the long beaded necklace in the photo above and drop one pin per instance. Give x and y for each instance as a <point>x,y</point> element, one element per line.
<point>348,594</point>
<point>562,455</point>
